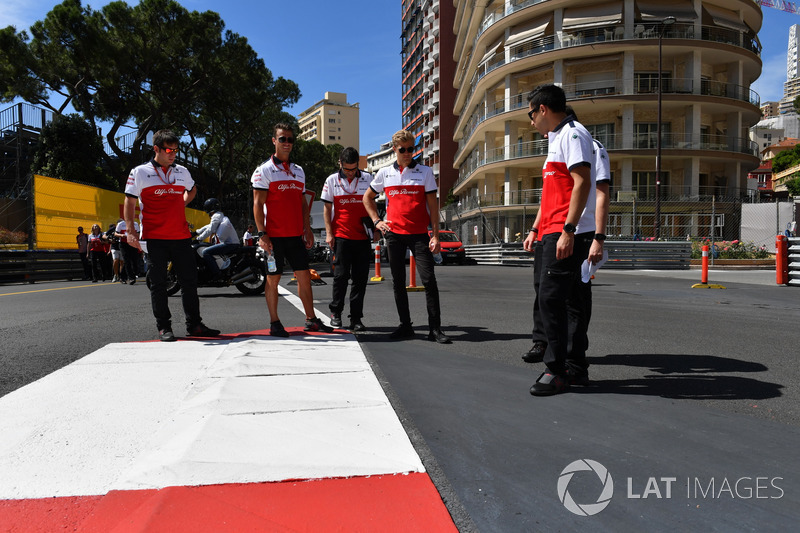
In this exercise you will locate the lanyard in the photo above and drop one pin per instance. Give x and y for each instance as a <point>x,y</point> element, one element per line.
<point>355,187</point>
<point>167,174</point>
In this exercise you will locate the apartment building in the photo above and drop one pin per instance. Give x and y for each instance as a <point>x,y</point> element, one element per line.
<point>428,93</point>
<point>606,55</point>
<point>331,121</point>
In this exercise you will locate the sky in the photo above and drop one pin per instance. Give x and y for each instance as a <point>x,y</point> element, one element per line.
<point>353,47</point>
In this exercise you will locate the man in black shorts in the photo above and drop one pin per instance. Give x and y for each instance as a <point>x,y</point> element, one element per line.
<point>284,227</point>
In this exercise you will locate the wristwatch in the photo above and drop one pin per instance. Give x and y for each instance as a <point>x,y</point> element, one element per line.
<point>569,228</point>
<point>261,234</point>
<point>600,237</point>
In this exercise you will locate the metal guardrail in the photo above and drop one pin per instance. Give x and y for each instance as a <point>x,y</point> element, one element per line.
<point>30,266</point>
<point>627,255</point>
<point>794,261</point>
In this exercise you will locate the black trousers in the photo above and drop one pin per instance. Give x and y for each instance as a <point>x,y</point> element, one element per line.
<point>561,301</point>
<point>351,261</point>
<point>159,254</point>
<point>579,305</point>
<point>87,268</point>
<point>98,264</point>
<point>130,258</point>
<point>396,245</point>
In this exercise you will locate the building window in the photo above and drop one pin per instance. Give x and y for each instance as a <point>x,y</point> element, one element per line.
<point>645,134</point>
<point>331,137</point>
<point>647,82</point>
<point>644,183</point>
<point>331,121</point>
<point>604,133</point>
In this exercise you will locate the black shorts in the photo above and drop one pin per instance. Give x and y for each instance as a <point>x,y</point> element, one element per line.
<point>291,249</point>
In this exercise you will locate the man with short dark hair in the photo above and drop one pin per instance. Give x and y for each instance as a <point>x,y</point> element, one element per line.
<point>82,239</point>
<point>163,189</point>
<point>411,207</point>
<point>566,185</point>
<point>282,217</point>
<point>348,234</point>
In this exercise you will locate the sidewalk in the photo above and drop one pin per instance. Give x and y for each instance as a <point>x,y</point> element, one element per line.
<point>244,432</point>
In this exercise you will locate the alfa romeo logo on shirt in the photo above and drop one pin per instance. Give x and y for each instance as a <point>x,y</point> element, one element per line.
<point>288,186</point>
<point>586,509</point>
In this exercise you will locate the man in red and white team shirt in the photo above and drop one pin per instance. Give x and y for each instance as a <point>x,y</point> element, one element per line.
<point>284,227</point>
<point>349,232</point>
<point>411,207</point>
<point>566,186</point>
<point>130,255</point>
<point>163,189</point>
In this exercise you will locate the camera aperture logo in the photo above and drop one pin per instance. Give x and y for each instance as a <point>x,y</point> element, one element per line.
<point>585,509</point>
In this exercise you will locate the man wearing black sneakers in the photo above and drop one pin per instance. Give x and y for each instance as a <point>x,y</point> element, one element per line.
<point>411,206</point>
<point>567,182</point>
<point>162,190</point>
<point>282,217</point>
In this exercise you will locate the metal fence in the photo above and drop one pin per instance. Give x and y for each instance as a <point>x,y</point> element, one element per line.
<point>496,219</point>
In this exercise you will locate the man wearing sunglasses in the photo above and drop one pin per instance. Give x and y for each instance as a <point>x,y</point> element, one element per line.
<point>566,185</point>
<point>348,233</point>
<point>411,207</point>
<point>284,227</point>
<point>163,189</point>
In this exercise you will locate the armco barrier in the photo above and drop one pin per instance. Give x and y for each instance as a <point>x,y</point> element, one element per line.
<point>794,261</point>
<point>30,266</point>
<point>657,255</point>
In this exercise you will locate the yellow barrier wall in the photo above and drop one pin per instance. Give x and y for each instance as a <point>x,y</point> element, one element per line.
<point>62,206</point>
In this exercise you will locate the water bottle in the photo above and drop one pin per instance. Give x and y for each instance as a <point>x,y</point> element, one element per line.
<point>272,266</point>
<point>437,258</point>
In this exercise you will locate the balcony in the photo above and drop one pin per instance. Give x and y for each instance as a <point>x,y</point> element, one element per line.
<point>613,34</point>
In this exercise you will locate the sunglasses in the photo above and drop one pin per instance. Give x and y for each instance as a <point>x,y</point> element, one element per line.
<point>169,151</point>
<point>283,139</point>
<point>403,149</point>
<point>532,112</point>
<point>354,169</point>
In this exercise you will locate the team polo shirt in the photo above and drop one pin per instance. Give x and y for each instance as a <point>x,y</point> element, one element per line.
<point>285,184</point>
<point>406,196</point>
<point>601,173</point>
<point>160,193</point>
<point>122,228</point>
<point>570,146</point>
<point>347,200</point>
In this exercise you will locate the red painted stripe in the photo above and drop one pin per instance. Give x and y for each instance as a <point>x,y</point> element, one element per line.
<point>378,503</point>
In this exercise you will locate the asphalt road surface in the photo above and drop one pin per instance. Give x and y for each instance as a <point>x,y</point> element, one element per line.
<point>692,413</point>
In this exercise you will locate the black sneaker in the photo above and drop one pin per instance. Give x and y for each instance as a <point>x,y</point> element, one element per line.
<point>166,335</point>
<point>336,320</point>
<point>315,324</point>
<point>549,384</point>
<point>437,336</point>
<point>405,331</point>
<point>356,326</point>
<point>536,353</point>
<point>576,377</point>
<point>276,329</point>
<point>201,330</point>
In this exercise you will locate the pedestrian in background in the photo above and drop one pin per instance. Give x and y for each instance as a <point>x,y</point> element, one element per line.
<point>130,255</point>
<point>349,231</point>
<point>97,251</point>
<point>282,217</point>
<point>82,239</point>
<point>411,207</point>
<point>162,189</point>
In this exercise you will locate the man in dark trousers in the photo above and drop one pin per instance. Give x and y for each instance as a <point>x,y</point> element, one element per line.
<point>411,207</point>
<point>348,234</point>
<point>163,189</point>
<point>566,186</point>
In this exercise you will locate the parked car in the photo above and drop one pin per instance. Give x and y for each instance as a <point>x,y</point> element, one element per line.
<point>452,248</point>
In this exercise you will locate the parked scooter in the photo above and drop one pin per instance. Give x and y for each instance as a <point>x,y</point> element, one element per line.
<point>245,269</point>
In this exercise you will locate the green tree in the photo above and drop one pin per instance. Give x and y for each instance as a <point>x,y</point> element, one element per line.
<point>786,159</point>
<point>156,65</point>
<point>318,161</point>
<point>794,186</point>
<point>70,149</point>
<point>796,104</point>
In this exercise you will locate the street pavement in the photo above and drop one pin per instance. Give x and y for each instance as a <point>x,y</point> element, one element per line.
<point>691,420</point>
